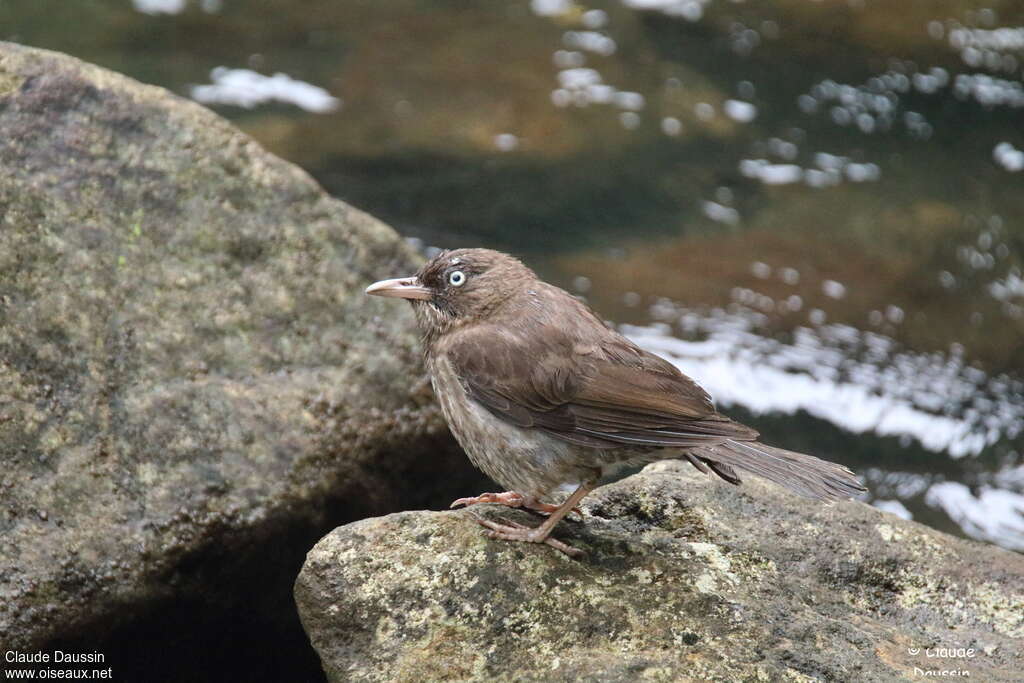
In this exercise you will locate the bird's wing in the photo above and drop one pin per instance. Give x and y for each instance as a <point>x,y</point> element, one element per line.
<point>591,387</point>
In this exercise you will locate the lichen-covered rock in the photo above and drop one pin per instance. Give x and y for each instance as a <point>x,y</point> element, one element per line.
<point>188,365</point>
<point>685,579</point>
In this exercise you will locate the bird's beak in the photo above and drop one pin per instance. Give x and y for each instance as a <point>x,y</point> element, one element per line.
<point>401,287</point>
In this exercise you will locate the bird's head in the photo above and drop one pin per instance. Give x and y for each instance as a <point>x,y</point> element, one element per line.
<point>459,287</point>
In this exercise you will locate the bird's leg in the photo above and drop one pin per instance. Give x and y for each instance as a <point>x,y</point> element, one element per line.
<point>531,503</point>
<point>510,531</point>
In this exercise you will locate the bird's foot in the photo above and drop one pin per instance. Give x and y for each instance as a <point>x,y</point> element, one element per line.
<point>512,500</point>
<point>509,498</point>
<point>513,531</point>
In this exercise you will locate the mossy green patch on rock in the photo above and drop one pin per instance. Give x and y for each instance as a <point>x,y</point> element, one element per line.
<point>771,587</point>
<point>8,83</point>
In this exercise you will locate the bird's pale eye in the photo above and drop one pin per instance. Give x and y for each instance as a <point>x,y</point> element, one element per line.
<point>456,278</point>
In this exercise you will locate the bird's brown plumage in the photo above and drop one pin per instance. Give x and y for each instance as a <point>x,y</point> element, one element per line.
<point>516,359</point>
<point>565,373</point>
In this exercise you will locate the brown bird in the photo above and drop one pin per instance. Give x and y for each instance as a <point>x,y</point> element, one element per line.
<point>544,398</point>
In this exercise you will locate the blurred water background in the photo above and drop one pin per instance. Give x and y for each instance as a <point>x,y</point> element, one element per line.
<point>814,207</point>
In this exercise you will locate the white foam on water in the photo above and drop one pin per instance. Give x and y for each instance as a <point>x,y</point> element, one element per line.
<point>550,8</point>
<point>769,173</point>
<point>1011,287</point>
<point>1009,157</point>
<point>994,515</point>
<point>893,507</point>
<point>721,213</point>
<point>506,142</point>
<point>833,289</point>
<point>742,112</point>
<point>160,6</point>
<point>691,10</point>
<point>591,41</point>
<point>247,88</point>
<point>1002,39</point>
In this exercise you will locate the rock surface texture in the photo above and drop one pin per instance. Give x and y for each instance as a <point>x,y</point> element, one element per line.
<point>189,370</point>
<point>685,579</point>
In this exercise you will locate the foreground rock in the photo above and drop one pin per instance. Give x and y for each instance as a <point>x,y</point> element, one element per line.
<point>686,579</point>
<point>189,372</point>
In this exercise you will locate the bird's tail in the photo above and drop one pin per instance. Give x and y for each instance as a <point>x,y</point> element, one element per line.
<point>802,474</point>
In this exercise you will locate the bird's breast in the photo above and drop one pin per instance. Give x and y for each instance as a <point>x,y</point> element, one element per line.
<point>520,459</point>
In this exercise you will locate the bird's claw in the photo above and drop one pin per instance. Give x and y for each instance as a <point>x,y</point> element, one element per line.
<point>509,498</point>
<point>513,500</point>
<point>508,530</point>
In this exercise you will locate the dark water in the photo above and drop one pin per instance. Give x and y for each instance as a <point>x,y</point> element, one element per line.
<point>814,208</point>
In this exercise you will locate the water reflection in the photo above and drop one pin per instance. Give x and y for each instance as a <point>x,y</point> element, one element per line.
<point>811,207</point>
